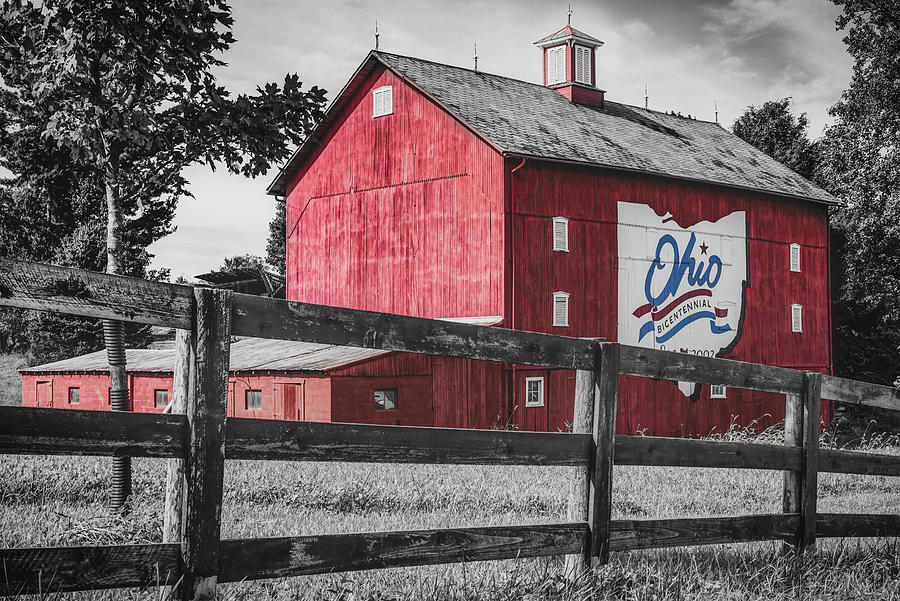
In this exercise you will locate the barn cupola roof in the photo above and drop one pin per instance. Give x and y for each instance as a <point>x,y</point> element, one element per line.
<point>569,65</point>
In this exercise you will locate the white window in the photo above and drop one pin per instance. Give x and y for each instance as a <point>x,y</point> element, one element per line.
<point>561,309</point>
<point>556,65</point>
<point>718,391</point>
<point>561,234</point>
<point>382,101</point>
<point>583,65</point>
<point>796,318</point>
<point>795,257</point>
<point>252,399</point>
<point>534,392</point>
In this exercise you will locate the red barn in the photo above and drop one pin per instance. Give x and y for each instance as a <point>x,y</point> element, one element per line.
<point>274,379</point>
<point>438,191</point>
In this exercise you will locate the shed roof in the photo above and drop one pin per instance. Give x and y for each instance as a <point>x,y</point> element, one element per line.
<point>529,120</point>
<point>249,354</point>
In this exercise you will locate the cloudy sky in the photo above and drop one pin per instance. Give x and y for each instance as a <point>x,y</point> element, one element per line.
<point>690,54</point>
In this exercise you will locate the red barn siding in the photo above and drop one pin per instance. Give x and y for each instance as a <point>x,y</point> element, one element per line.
<point>588,197</point>
<point>401,213</point>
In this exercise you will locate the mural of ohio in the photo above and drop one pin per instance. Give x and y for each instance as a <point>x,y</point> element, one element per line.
<point>681,288</point>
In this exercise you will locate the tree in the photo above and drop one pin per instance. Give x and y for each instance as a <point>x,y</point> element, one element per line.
<point>50,206</point>
<point>775,130</point>
<point>242,262</point>
<point>130,92</point>
<point>861,165</point>
<point>276,250</point>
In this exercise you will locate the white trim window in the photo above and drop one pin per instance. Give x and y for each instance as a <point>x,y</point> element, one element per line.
<point>718,391</point>
<point>797,318</point>
<point>561,309</point>
<point>795,258</point>
<point>534,392</point>
<point>556,65</point>
<point>560,235</point>
<point>582,64</point>
<point>382,101</point>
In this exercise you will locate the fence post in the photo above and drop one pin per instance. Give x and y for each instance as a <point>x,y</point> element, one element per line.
<point>205,465</point>
<point>173,523</point>
<point>809,477</point>
<point>801,429</point>
<point>579,496</point>
<point>606,393</point>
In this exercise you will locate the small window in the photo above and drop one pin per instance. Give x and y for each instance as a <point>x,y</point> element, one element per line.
<point>583,65</point>
<point>382,101</point>
<point>561,309</point>
<point>796,318</point>
<point>161,398</point>
<point>718,391</point>
<point>74,396</point>
<point>556,65</point>
<point>795,257</point>
<point>534,392</point>
<point>253,399</point>
<point>560,234</point>
<point>386,399</point>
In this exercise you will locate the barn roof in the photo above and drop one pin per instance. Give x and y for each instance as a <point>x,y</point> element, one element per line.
<point>524,119</point>
<point>249,354</point>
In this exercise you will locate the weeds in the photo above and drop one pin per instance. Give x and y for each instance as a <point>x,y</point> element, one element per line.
<point>50,501</point>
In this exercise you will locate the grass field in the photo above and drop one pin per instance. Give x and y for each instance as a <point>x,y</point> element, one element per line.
<point>60,501</point>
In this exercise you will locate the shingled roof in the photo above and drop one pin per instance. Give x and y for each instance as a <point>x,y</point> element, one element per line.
<point>525,119</point>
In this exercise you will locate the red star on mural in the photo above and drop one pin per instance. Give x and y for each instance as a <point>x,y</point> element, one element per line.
<point>703,248</point>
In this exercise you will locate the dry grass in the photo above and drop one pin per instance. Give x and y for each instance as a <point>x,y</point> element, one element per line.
<point>10,379</point>
<point>60,501</point>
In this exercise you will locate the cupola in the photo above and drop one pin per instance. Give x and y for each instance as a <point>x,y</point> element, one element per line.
<point>568,65</point>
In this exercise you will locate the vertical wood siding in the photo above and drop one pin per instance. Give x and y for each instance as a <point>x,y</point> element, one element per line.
<point>588,198</point>
<point>401,213</point>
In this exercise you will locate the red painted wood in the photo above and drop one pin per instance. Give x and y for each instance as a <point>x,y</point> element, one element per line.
<point>395,205</point>
<point>588,197</point>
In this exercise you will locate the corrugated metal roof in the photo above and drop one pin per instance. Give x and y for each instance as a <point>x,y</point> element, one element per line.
<point>525,119</point>
<point>250,354</point>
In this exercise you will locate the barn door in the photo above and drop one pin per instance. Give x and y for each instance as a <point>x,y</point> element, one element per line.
<point>44,396</point>
<point>293,401</point>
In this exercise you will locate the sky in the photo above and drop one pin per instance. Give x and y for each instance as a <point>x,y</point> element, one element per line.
<point>691,55</point>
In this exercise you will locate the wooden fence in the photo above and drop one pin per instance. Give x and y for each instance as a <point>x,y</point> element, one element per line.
<point>205,440</point>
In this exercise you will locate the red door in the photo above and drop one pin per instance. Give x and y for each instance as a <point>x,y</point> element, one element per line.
<point>44,394</point>
<point>293,401</point>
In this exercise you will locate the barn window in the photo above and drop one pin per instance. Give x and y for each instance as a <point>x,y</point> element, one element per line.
<point>796,318</point>
<point>534,392</point>
<point>74,396</point>
<point>556,65</point>
<point>382,101</point>
<point>560,234</point>
<point>253,399</point>
<point>160,398</point>
<point>561,309</point>
<point>386,398</point>
<point>718,391</point>
<point>583,65</point>
<point>795,257</point>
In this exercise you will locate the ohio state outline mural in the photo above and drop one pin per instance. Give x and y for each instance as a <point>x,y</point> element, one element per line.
<point>681,288</point>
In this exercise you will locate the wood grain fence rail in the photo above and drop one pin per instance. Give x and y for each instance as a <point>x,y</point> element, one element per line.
<point>204,439</point>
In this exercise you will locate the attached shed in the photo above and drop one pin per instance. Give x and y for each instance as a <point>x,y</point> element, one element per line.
<point>274,379</point>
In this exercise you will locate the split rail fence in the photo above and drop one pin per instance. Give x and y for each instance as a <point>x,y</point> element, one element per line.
<point>204,439</point>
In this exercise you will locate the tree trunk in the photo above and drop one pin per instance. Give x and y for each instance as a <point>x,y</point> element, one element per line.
<point>114,337</point>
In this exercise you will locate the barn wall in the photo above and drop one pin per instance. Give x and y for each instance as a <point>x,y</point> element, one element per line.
<point>539,191</point>
<point>401,213</point>
<point>311,399</point>
<point>469,394</point>
<point>353,400</point>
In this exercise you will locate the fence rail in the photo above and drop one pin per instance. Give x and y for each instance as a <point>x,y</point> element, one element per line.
<point>204,439</point>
